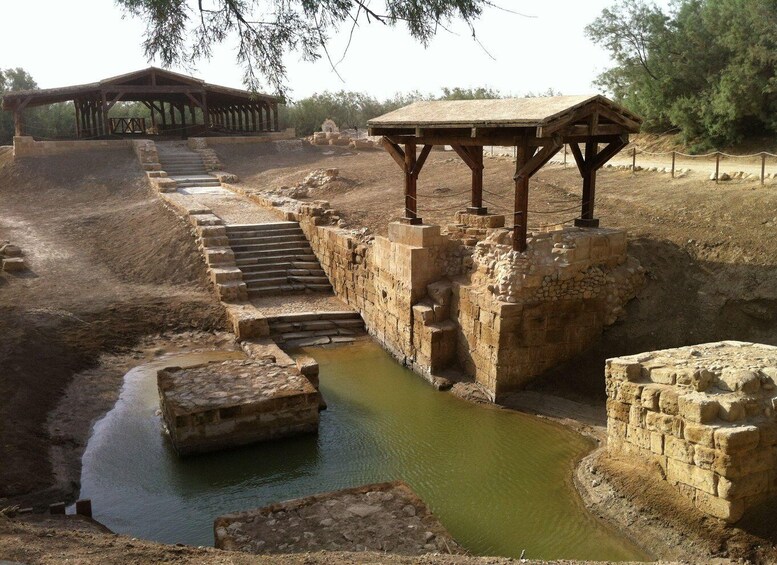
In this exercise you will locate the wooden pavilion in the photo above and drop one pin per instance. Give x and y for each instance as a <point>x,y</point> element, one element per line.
<point>537,127</point>
<point>169,96</point>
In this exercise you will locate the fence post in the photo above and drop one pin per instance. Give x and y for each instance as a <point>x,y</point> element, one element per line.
<point>717,166</point>
<point>763,167</point>
<point>673,161</point>
<point>565,155</point>
<point>633,160</point>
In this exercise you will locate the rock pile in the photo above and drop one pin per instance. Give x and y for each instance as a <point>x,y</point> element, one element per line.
<point>11,256</point>
<point>315,179</point>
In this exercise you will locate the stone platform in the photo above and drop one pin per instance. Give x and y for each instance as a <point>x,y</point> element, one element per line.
<point>233,403</point>
<point>386,517</point>
<point>706,415</point>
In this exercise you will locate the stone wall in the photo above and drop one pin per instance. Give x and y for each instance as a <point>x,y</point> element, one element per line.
<point>520,314</point>
<point>265,137</point>
<point>705,415</point>
<point>26,146</point>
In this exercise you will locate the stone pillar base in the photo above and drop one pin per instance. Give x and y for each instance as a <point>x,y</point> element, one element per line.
<point>411,221</point>
<point>414,235</point>
<point>477,220</point>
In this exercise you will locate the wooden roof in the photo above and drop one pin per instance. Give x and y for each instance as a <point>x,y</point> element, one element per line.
<point>146,84</point>
<point>548,114</point>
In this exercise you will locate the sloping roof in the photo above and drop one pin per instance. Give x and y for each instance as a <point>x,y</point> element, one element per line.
<point>503,112</point>
<point>162,79</point>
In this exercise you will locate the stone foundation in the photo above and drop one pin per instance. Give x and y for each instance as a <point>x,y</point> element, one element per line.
<point>386,517</point>
<point>233,403</point>
<point>705,415</point>
<point>26,146</point>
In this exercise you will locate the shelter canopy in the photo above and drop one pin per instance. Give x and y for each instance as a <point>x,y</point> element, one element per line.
<point>164,93</point>
<point>537,127</point>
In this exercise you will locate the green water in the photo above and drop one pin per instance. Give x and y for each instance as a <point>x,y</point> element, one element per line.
<point>498,480</point>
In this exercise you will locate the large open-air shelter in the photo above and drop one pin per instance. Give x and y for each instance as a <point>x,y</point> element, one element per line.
<point>537,127</point>
<point>169,97</point>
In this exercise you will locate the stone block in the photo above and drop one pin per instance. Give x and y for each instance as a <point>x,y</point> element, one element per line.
<point>232,403</point>
<point>700,479</point>
<point>699,434</point>
<point>731,409</point>
<point>14,264</point>
<point>618,410</point>
<point>414,235</point>
<point>668,402</point>
<point>734,439</point>
<point>728,510</point>
<point>679,450</point>
<point>743,487</point>
<point>698,407</point>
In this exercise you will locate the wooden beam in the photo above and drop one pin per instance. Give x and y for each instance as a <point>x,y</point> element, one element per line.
<point>538,161</point>
<point>193,99</point>
<point>607,153</point>
<point>115,99</point>
<point>395,151</point>
<point>466,156</point>
<point>419,164</point>
<point>579,159</point>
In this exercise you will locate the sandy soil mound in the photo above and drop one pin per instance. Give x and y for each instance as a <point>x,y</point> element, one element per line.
<point>108,264</point>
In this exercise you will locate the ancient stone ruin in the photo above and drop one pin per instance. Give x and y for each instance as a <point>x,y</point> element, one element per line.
<point>379,517</point>
<point>234,403</point>
<point>706,415</point>
<point>11,259</point>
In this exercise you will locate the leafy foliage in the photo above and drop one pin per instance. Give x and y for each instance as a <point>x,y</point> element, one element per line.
<point>267,29</point>
<point>706,68</point>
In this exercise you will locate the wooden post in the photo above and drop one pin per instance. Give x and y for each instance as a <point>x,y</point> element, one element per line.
<point>276,125</point>
<point>153,117</point>
<point>674,154</point>
<point>565,155</point>
<point>763,167</point>
<point>633,159</point>
<point>206,116</point>
<point>589,181</point>
<point>104,114</point>
<point>172,115</point>
<point>411,208</point>
<point>717,166</point>
<point>18,123</point>
<point>521,204</point>
<point>78,119</point>
<point>477,181</point>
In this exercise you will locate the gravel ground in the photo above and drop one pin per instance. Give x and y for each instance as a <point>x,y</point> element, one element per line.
<point>274,305</point>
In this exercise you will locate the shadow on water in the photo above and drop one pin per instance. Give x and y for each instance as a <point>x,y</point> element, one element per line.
<point>500,481</point>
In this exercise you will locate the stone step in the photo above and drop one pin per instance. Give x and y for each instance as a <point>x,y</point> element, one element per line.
<point>283,289</point>
<point>192,184</point>
<point>185,171</point>
<point>266,268</point>
<point>247,228</point>
<point>314,326</point>
<point>265,242</point>
<point>259,237</point>
<point>298,317</point>
<point>254,282</point>
<point>308,279</point>
<point>286,250</point>
<point>274,257</point>
<point>250,274</point>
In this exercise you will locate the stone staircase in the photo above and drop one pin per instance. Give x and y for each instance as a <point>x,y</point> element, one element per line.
<point>276,259</point>
<point>315,328</point>
<point>185,167</point>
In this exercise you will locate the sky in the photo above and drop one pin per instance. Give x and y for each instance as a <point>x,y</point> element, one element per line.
<point>547,48</point>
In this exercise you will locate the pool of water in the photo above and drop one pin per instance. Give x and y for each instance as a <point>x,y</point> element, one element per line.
<point>500,481</point>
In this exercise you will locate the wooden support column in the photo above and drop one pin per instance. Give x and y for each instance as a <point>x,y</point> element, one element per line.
<point>472,155</point>
<point>588,165</point>
<point>206,116</point>
<point>276,125</point>
<point>104,113</point>
<point>411,181</point>
<point>253,117</point>
<point>78,118</point>
<point>589,187</point>
<point>172,114</point>
<point>526,164</point>
<point>521,203</point>
<point>163,114</point>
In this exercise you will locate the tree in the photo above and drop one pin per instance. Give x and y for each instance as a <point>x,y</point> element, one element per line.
<point>179,34</point>
<point>53,121</point>
<point>707,67</point>
<point>12,79</point>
